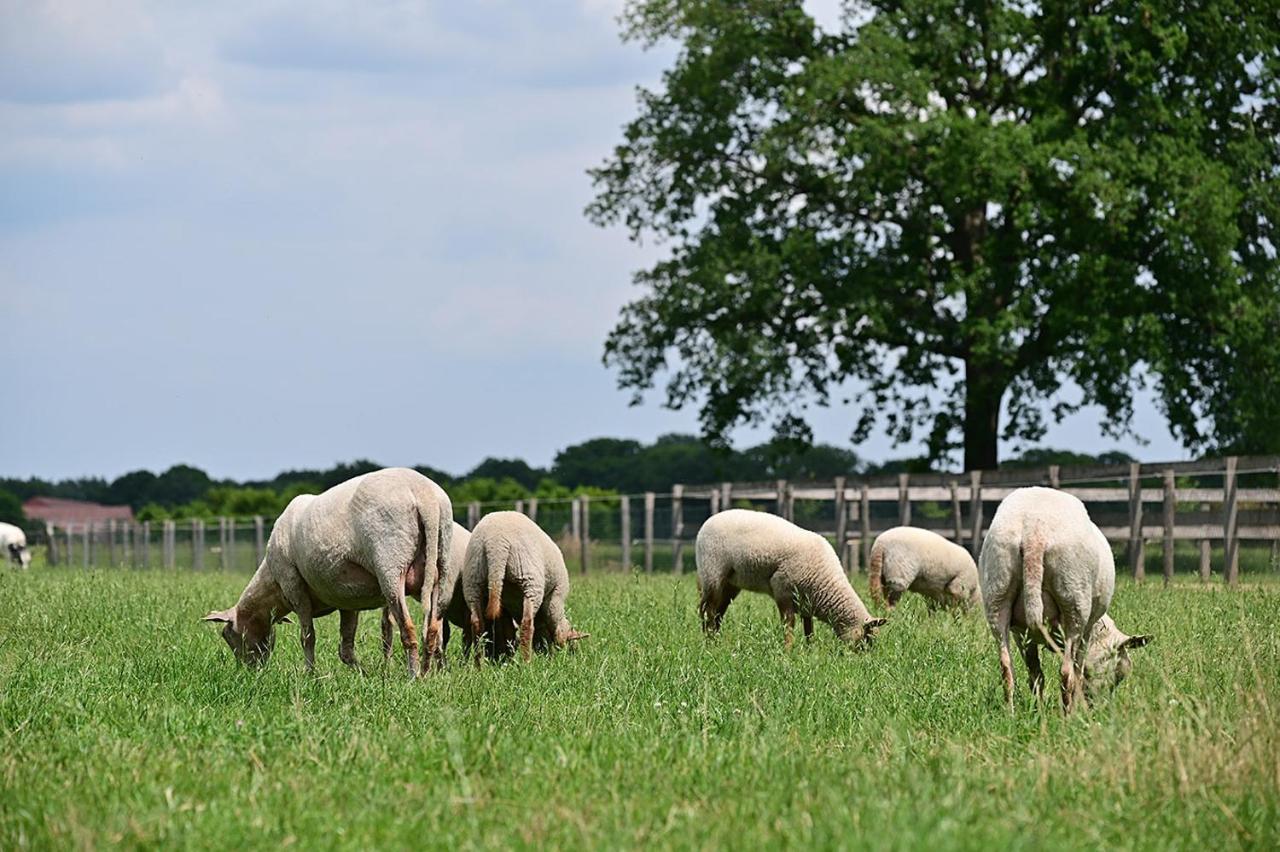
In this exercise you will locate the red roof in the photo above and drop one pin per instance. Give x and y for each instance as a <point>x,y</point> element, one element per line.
<point>54,510</point>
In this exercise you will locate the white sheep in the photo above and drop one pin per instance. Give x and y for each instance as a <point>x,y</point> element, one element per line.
<point>14,542</point>
<point>919,560</point>
<point>359,545</point>
<point>514,568</point>
<point>1047,574</point>
<point>741,549</point>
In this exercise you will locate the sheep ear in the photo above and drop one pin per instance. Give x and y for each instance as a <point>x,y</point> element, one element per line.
<point>284,619</point>
<point>1137,641</point>
<point>874,623</point>
<point>576,636</point>
<point>223,616</point>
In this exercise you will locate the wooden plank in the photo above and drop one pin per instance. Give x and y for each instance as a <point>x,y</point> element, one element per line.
<point>649,499</point>
<point>864,524</point>
<point>624,518</point>
<point>677,528</point>
<point>1204,560</point>
<point>584,513</point>
<point>1137,555</point>
<point>1195,532</point>
<point>1230,539</point>
<point>842,519</point>
<point>904,499</point>
<point>1170,508</point>
<point>1089,494</point>
<point>975,512</point>
<point>957,516</point>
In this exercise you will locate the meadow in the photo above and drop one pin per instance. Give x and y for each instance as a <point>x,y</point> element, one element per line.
<point>125,722</point>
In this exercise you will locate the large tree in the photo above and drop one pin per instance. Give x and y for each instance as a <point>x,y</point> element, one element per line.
<point>957,206</point>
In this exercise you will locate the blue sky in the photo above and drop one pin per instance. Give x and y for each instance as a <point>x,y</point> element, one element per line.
<point>255,236</point>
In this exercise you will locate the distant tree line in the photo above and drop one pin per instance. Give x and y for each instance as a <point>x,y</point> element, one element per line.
<point>597,467</point>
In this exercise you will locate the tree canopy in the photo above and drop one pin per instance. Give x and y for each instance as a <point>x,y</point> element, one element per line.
<point>960,206</point>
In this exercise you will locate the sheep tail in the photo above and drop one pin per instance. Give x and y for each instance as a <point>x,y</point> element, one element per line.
<point>444,541</point>
<point>1033,547</point>
<point>875,573</point>
<point>497,569</point>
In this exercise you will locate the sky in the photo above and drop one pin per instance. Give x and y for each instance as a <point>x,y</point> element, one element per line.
<point>261,236</point>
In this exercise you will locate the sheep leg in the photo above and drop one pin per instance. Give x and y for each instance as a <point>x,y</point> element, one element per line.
<point>526,631</point>
<point>808,627</point>
<point>386,633</point>
<point>477,636</point>
<point>348,620</point>
<point>307,633</point>
<point>787,610</point>
<point>1035,674</point>
<point>999,620</point>
<point>431,652</point>
<point>1072,675</point>
<point>408,633</point>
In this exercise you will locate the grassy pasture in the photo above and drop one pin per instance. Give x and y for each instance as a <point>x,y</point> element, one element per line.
<point>125,722</point>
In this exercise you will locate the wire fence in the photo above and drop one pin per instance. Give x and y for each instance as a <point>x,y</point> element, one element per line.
<point>1211,515</point>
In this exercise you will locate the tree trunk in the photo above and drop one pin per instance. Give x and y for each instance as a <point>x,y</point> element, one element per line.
<point>984,391</point>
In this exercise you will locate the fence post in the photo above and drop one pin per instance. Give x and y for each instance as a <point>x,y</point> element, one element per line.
<point>791,503</point>
<point>1205,567</point>
<point>1230,543</point>
<point>71,550</point>
<point>259,539</point>
<point>1055,476</point>
<point>677,528</point>
<point>975,512</point>
<point>473,514</point>
<point>111,543</point>
<point>649,499</point>
<point>904,499</point>
<point>520,506</point>
<point>1137,550</point>
<point>575,519</point>
<point>128,548</point>
<point>842,523</point>
<point>51,552</point>
<point>146,544</point>
<point>713,503</point>
<point>782,498</point>
<point>533,509</point>
<point>228,529</point>
<point>90,544</point>
<point>584,512</point>
<point>624,508</point>
<point>1170,507</point>
<point>957,518</point>
<point>726,496</point>
<point>864,523</point>
<point>197,544</point>
<point>171,545</point>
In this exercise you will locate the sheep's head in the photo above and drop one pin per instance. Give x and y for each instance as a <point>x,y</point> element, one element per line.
<point>20,555</point>
<point>1107,660</point>
<point>862,636</point>
<point>250,639</point>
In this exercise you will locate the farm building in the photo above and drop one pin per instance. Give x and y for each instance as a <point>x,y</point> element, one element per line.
<point>54,510</point>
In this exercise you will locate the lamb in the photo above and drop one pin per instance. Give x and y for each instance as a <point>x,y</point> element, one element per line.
<point>514,568</point>
<point>742,549</point>
<point>1047,573</point>
<point>362,544</point>
<point>918,560</point>
<point>14,542</point>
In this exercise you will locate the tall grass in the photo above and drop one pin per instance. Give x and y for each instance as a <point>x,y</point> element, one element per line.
<point>125,722</point>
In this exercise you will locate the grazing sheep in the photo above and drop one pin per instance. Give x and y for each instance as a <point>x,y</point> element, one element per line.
<point>513,568</point>
<point>360,545</point>
<point>741,549</point>
<point>1048,574</point>
<point>14,542</point>
<point>913,559</point>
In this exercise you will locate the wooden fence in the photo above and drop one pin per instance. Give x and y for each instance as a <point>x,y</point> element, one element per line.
<point>1226,500</point>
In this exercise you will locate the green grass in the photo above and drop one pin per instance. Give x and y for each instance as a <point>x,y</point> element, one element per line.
<point>125,722</point>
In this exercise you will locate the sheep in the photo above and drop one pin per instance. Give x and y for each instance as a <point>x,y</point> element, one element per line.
<point>918,560</point>
<point>451,608</point>
<point>360,545</point>
<point>512,567</point>
<point>741,549</point>
<point>1047,574</point>
<point>14,542</point>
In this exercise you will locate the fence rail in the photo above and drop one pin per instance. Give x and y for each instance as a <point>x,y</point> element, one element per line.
<point>1202,501</point>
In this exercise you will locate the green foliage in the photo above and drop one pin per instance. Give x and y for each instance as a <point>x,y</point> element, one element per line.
<point>149,736</point>
<point>11,509</point>
<point>960,206</point>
